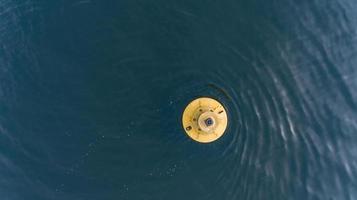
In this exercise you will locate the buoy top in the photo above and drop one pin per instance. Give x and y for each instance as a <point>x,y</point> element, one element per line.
<point>204,120</point>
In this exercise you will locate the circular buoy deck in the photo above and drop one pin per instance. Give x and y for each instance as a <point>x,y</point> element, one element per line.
<point>204,120</point>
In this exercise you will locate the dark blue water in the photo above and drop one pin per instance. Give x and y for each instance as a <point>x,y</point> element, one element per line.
<point>92,91</point>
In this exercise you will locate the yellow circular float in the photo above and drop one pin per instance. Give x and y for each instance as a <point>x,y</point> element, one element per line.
<point>204,120</point>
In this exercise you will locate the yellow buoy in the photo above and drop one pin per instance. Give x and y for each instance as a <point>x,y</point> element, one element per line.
<point>204,120</point>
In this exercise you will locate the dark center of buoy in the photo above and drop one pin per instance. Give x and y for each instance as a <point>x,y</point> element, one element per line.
<point>209,122</point>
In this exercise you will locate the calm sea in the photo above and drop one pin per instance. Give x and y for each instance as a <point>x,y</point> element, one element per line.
<point>92,92</point>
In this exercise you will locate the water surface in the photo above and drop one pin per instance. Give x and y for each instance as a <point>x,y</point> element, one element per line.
<point>91,96</point>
